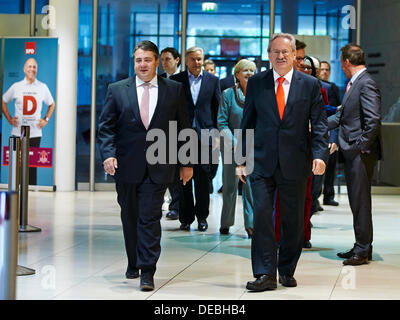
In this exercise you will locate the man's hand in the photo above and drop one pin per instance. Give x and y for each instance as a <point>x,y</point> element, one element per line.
<point>14,122</point>
<point>185,174</point>
<point>241,172</point>
<point>42,123</point>
<point>110,164</point>
<point>332,147</point>
<point>318,167</point>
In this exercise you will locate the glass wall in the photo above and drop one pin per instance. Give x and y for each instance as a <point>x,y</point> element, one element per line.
<point>226,30</point>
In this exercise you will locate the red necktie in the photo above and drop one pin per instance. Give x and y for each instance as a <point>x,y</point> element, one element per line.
<point>144,105</point>
<point>280,97</point>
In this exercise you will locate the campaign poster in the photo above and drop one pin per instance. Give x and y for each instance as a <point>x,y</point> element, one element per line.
<point>29,99</point>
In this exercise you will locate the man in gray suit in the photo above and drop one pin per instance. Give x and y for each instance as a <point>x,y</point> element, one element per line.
<point>359,122</point>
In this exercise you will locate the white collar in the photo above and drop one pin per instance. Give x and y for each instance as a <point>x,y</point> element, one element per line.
<point>191,75</point>
<point>356,75</point>
<point>288,76</point>
<point>153,82</point>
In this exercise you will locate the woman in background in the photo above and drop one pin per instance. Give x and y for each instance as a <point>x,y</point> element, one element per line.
<point>230,115</point>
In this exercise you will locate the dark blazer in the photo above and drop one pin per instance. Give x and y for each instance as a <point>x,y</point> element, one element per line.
<point>333,93</point>
<point>164,75</point>
<point>122,134</point>
<point>227,82</point>
<point>206,108</point>
<point>359,119</point>
<point>287,141</point>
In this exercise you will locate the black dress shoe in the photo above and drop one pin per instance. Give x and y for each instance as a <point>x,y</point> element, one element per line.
<point>263,283</point>
<point>172,215</point>
<point>132,274</point>
<point>331,203</point>
<point>319,208</point>
<point>287,281</point>
<point>355,260</point>
<point>147,281</point>
<point>185,226</point>
<point>350,253</point>
<point>203,225</point>
<point>307,245</point>
<point>224,230</point>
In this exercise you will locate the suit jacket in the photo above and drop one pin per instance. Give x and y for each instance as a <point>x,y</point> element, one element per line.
<point>227,82</point>
<point>122,134</point>
<point>286,142</point>
<point>333,93</point>
<point>206,109</point>
<point>359,119</point>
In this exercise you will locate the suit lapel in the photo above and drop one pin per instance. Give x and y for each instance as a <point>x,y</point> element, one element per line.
<point>202,87</point>
<point>133,99</point>
<point>186,86</point>
<point>295,84</point>
<point>161,97</point>
<point>270,91</point>
<point>347,94</point>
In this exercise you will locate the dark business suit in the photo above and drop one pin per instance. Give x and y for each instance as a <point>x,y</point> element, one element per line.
<point>227,82</point>
<point>173,187</point>
<point>359,123</point>
<point>283,152</point>
<point>140,186</point>
<point>203,115</point>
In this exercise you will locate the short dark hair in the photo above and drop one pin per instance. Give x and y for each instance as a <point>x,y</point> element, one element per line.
<point>354,54</point>
<point>300,45</point>
<point>326,63</point>
<point>147,45</point>
<point>174,53</point>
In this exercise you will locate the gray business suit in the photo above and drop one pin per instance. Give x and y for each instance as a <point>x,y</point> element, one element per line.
<point>359,123</point>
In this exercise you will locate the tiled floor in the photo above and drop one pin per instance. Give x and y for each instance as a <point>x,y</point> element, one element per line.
<point>80,255</point>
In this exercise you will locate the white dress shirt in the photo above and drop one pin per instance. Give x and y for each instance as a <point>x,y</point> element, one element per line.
<point>153,94</point>
<point>286,84</point>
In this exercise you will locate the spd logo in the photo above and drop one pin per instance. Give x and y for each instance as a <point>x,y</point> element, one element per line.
<point>30,47</point>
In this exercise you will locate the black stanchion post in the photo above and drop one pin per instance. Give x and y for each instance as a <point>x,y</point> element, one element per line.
<point>23,223</point>
<point>8,244</point>
<point>14,175</point>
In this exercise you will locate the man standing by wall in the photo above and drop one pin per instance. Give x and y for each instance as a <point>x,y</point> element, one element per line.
<point>132,107</point>
<point>359,122</point>
<point>280,104</point>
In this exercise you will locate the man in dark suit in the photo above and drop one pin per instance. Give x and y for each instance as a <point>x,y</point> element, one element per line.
<point>202,93</point>
<point>359,122</point>
<point>132,107</point>
<point>170,61</point>
<point>280,105</point>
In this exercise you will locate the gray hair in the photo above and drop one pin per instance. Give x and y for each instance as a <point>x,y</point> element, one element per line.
<point>194,49</point>
<point>283,35</point>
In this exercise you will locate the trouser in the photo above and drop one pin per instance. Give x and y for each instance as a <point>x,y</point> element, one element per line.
<point>140,214</point>
<point>264,247</point>
<point>229,195</point>
<point>359,171</point>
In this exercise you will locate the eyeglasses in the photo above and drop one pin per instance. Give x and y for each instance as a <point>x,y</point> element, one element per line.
<point>277,52</point>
